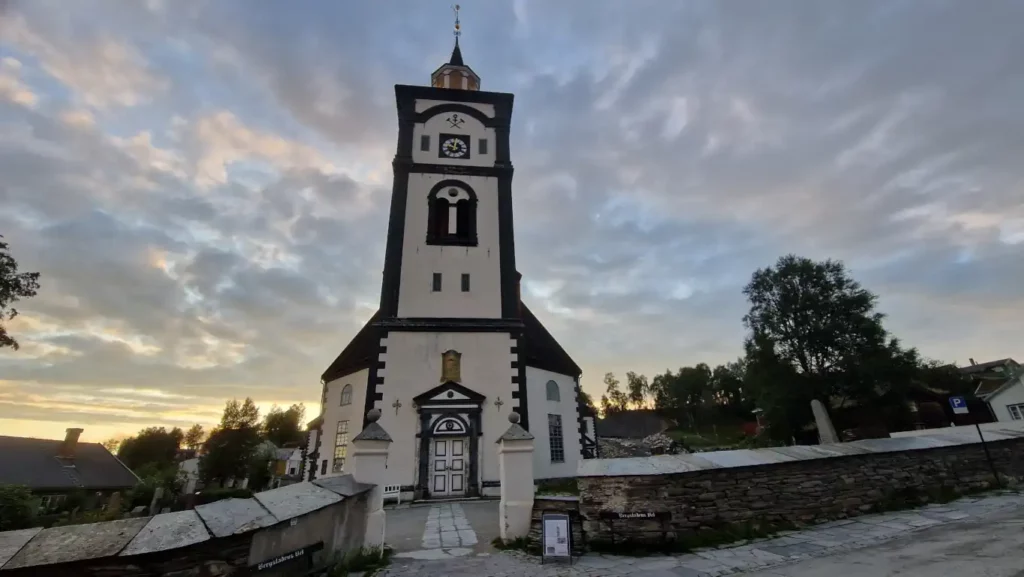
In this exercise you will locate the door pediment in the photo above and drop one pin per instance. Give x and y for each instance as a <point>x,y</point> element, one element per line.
<point>449,393</point>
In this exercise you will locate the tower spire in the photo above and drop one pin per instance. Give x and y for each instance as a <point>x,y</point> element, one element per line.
<point>456,59</point>
<point>455,74</point>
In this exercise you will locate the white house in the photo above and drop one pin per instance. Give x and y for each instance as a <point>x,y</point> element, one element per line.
<point>1001,386</point>
<point>452,349</point>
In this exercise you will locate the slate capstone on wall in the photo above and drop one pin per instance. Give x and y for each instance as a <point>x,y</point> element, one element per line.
<point>212,539</point>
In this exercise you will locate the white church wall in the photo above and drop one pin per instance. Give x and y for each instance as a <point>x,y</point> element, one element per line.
<point>334,412</point>
<point>414,366</point>
<point>420,261</point>
<point>438,125</point>
<point>540,408</point>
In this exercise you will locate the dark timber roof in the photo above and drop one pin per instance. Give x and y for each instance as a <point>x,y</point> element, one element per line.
<point>539,349</point>
<point>360,353</point>
<point>34,463</point>
<point>542,350</point>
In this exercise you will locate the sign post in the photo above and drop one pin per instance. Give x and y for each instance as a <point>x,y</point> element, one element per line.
<point>959,405</point>
<point>556,537</point>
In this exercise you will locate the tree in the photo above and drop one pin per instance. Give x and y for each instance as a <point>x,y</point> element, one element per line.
<point>14,286</point>
<point>17,507</point>
<point>284,427</point>
<point>229,449</point>
<point>637,389</point>
<point>112,444</point>
<point>614,399</point>
<point>194,437</point>
<point>684,394</point>
<point>153,445</point>
<point>237,415</point>
<point>815,334</point>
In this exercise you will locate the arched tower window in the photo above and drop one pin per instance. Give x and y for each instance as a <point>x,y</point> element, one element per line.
<point>346,395</point>
<point>452,214</point>
<point>553,395</point>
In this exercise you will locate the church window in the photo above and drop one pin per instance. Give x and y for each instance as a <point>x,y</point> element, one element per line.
<point>323,467</point>
<point>436,284</point>
<point>425,143</point>
<point>340,446</point>
<point>452,216</point>
<point>552,390</point>
<point>346,395</point>
<point>465,282</point>
<point>482,145</point>
<point>555,441</point>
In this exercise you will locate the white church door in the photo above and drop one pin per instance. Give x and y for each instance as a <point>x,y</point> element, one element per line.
<point>448,467</point>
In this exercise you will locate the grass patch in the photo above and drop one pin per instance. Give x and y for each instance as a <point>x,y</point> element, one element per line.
<point>368,559</point>
<point>567,486</point>
<point>524,544</point>
<point>685,542</point>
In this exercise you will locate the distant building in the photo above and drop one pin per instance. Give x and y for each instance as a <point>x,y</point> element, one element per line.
<point>1001,385</point>
<point>634,424</point>
<point>53,470</point>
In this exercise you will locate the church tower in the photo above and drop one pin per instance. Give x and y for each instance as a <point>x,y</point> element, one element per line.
<point>452,349</point>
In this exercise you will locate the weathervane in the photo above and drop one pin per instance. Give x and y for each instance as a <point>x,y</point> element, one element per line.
<point>458,27</point>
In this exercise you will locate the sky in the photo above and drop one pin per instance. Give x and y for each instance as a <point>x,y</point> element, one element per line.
<point>203,185</point>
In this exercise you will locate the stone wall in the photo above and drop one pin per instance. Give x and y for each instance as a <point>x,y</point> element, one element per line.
<point>786,485</point>
<point>322,519</point>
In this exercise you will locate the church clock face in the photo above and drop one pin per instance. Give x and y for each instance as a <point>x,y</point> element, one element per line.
<point>454,146</point>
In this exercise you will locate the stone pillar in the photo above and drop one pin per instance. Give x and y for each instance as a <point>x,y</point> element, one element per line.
<point>826,432</point>
<point>368,464</point>
<point>515,466</point>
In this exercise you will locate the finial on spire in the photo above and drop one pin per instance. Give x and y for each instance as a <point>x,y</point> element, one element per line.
<point>458,26</point>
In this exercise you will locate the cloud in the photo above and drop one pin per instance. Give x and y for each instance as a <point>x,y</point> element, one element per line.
<point>205,189</point>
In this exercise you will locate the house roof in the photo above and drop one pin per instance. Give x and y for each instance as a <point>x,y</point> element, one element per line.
<point>635,424</point>
<point>986,366</point>
<point>34,463</point>
<point>992,376</point>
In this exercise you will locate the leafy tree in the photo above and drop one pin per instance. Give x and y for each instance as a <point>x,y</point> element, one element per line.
<point>153,445</point>
<point>815,334</point>
<point>113,444</point>
<point>14,286</point>
<point>638,389</point>
<point>258,470</point>
<point>17,507</point>
<point>284,427</point>
<point>684,394</point>
<point>614,399</point>
<point>237,415</point>
<point>229,449</point>
<point>194,437</point>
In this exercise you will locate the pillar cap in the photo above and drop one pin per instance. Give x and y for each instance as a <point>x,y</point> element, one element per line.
<point>373,431</point>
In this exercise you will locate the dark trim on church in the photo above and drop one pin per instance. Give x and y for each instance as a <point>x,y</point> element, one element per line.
<point>452,325</point>
<point>454,169</point>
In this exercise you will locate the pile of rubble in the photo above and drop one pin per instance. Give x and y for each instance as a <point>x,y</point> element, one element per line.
<point>656,444</point>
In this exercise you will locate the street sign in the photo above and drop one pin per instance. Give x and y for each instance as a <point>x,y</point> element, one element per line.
<point>959,405</point>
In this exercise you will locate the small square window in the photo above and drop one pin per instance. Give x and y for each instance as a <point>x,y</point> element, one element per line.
<point>482,145</point>
<point>1016,412</point>
<point>425,143</point>
<point>436,287</point>
<point>465,283</point>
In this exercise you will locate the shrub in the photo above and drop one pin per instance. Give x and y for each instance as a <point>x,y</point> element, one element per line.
<point>210,495</point>
<point>17,507</point>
